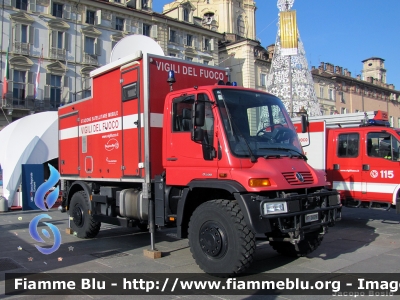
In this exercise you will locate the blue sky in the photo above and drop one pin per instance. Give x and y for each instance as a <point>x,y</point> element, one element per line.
<point>341,32</point>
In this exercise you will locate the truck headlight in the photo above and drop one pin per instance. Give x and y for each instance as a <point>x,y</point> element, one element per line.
<point>275,208</point>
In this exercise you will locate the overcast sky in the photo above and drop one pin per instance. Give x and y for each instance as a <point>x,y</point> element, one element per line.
<point>341,32</point>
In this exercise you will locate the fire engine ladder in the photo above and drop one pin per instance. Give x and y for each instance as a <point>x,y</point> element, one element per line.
<point>344,120</point>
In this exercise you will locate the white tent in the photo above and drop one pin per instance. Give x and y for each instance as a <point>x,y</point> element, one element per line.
<point>30,140</point>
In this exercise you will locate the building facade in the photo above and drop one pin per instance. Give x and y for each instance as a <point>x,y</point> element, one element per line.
<point>233,16</point>
<point>239,50</point>
<point>64,41</point>
<point>340,93</point>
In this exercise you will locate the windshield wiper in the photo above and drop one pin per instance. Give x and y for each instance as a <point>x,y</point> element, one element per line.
<point>286,149</point>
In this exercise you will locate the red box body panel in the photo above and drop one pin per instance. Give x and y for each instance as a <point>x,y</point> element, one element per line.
<point>106,136</point>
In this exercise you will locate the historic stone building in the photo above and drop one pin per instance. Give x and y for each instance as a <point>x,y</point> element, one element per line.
<point>339,92</point>
<point>239,49</point>
<point>77,37</point>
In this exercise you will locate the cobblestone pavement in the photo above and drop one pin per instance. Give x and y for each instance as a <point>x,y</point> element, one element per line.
<point>364,241</point>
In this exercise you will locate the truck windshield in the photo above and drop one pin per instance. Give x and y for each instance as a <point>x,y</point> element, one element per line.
<point>256,124</point>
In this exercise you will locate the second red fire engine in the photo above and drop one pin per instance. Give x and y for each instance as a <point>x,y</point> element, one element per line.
<point>360,154</point>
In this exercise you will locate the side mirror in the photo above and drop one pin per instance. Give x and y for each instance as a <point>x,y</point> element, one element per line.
<point>198,134</point>
<point>304,124</point>
<point>200,114</point>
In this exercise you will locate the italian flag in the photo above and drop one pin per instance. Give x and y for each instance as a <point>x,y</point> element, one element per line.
<point>6,75</point>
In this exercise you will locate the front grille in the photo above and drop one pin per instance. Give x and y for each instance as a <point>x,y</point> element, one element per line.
<point>293,180</point>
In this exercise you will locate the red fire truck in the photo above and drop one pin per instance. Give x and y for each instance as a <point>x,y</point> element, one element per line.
<point>360,154</point>
<point>137,153</point>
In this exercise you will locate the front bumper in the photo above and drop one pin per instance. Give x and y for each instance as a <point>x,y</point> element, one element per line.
<point>322,206</point>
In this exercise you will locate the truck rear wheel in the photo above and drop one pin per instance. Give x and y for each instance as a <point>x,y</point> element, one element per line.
<point>310,242</point>
<point>82,223</point>
<point>219,239</point>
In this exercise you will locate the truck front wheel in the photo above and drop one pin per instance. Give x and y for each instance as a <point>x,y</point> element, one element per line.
<point>310,242</point>
<point>82,222</point>
<point>219,239</point>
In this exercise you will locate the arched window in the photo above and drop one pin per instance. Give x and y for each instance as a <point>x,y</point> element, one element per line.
<point>208,18</point>
<point>240,26</point>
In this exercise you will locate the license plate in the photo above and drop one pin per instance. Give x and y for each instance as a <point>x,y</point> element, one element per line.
<point>311,217</point>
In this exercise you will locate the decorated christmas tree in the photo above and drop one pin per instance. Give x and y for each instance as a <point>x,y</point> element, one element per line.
<point>289,77</point>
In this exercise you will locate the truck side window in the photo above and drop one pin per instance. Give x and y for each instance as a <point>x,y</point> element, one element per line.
<point>383,145</point>
<point>182,115</point>
<point>208,128</point>
<point>348,145</point>
<point>129,91</point>
<point>395,149</point>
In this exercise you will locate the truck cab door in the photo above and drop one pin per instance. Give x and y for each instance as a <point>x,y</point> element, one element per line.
<point>381,166</point>
<point>187,160</point>
<point>131,124</point>
<point>345,164</point>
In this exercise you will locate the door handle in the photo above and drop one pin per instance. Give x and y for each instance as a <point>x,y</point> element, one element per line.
<point>172,158</point>
<point>136,122</point>
<point>365,167</point>
<point>336,166</point>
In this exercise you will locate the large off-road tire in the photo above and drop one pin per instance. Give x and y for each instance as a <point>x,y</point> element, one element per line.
<point>82,223</point>
<point>219,239</point>
<point>310,242</point>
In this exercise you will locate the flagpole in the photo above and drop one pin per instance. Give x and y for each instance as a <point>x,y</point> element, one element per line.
<point>6,74</point>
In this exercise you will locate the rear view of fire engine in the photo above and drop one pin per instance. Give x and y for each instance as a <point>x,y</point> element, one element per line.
<point>160,143</point>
